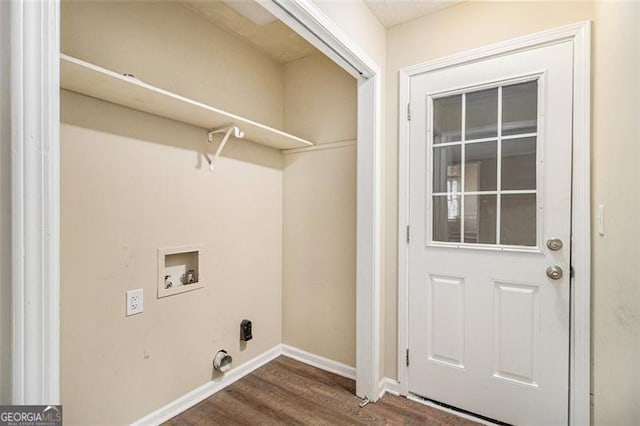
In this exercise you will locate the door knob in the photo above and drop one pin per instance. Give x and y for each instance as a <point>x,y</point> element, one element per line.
<point>554,272</point>
<point>554,244</point>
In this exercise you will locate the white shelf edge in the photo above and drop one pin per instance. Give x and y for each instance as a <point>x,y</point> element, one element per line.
<point>91,80</point>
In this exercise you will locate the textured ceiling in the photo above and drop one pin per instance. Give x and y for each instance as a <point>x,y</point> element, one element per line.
<point>394,12</point>
<point>275,38</point>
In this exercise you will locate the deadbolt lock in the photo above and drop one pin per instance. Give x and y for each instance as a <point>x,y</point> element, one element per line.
<point>554,272</point>
<point>554,244</point>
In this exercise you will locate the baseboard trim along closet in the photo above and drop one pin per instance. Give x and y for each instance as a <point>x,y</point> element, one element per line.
<point>320,147</point>
<point>203,392</point>
<point>320,362</point>
<point>389,385</point>
<point>197,395</point>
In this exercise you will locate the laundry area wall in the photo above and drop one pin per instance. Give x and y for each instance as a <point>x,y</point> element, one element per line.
<point>133,183</point>
<point>278,231</point>
<point>320,211</point>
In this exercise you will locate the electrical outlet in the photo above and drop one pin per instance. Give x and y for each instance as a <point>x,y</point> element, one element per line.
<point>135,300</point>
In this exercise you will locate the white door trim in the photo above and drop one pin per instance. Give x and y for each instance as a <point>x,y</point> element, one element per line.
<point>311,23</point>
<point>580,345</point>
<point>35,190</point>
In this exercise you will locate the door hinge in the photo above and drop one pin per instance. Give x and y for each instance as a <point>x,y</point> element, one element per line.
<point>408,234</point>
<point>407,357</point>
<point>409,112</point>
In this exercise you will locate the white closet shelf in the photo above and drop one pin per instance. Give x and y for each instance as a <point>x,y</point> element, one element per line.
<point>91,80</point>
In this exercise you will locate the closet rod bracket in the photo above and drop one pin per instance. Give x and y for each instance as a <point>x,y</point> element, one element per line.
<point>228,131</point>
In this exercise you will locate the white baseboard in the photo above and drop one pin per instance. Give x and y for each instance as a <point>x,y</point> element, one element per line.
<point>386,384</point>
<point>319,362</point>
<point>197,395</point>
<point>190,399</point>
<point>389,385</point>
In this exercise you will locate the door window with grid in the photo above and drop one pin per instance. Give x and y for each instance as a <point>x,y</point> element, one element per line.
<point>484,166</point>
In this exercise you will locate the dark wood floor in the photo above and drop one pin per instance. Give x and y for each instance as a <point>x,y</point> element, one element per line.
<point>289,392</point>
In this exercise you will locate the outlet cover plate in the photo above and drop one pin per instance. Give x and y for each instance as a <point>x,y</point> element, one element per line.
<point>135,300</point>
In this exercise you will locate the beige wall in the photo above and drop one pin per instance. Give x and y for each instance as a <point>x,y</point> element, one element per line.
<point>132,183</point>
<point>319,252</point>
<point>615,84</point>
<point>5,212</point>
<point>319,100</point>
<point>319,211</point>
<point>616,269</point>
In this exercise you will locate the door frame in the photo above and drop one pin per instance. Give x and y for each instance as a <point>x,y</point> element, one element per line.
<point>580,304</point>
<point>35,201</point>
<point>35,191</point>
<point>306,19</point>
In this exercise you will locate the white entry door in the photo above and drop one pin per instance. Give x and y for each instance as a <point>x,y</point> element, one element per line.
<point>490,216</point>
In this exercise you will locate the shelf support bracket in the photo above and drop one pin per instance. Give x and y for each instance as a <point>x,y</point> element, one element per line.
<point>228,131</point>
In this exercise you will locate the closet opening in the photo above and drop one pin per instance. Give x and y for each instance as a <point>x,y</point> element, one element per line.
<point>274,222</point>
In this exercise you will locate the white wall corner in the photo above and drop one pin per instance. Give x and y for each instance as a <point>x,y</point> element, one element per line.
<point>369,261</point>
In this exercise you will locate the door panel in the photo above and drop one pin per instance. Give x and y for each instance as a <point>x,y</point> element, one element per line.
<point>445,332</point>
<point>490,167</point>
<point>517,332</point>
